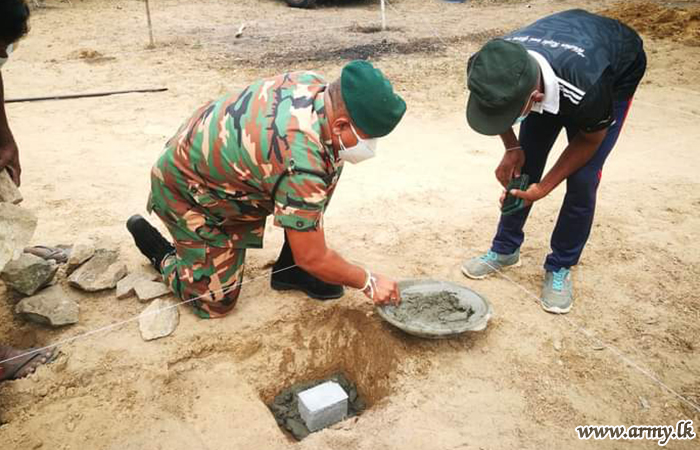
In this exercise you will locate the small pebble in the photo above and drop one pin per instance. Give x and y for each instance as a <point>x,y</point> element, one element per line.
<point>644,402</point>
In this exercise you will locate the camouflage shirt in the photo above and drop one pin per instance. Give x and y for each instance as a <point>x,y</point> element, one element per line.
<point>217,174</point>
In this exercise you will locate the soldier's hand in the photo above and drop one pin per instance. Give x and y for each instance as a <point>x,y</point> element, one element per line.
<point>383,290</point>
<point>510,166</point>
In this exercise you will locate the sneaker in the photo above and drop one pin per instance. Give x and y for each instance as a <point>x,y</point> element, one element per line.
<point>149,240</point>
<point>557,292</point>
<point>484,265</point>
<point>295,278</point>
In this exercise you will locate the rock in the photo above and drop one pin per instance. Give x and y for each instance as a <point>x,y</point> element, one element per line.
<point>59,365</point>
<point>17,227</point>
<point>557,344</point>
<point>644,403</point>
<point>148,290</point>
<point>159,319</point>
<point>125,286</point>
<point>9,192</point>
<point>43,391</point>
<point>298,430</point>
<point>82,250</point>
<point>352,394</point>
<point>102,271</point>
<point>52,306</point>
<point>28,273</point>
<point>279,409</point>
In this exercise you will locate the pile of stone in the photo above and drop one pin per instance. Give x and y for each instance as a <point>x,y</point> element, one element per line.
<point>30,275</point>
<point>25,273</point>
<point>88,268</point>
<point>47,301</point>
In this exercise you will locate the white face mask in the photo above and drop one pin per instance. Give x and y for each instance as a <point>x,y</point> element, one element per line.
<point>363,150</point>
<point>521,118</point>
<point>4,60</point>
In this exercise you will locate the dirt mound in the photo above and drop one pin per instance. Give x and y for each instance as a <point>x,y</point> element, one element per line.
<point>661,22</point>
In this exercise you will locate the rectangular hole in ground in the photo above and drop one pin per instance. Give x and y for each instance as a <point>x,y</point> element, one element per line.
<point>318,345</point>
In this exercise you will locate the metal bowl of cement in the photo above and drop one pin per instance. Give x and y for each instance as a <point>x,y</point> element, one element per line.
<point>437,309</point>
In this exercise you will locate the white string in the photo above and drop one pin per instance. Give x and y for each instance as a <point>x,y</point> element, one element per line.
<point>602,343</point>
<point>135,318</point>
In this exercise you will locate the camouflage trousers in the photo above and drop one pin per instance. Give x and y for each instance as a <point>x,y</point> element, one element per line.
<point>206,268</point>
<point>213,282</point>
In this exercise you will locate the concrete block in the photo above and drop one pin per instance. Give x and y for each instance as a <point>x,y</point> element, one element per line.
<point>323,405</point>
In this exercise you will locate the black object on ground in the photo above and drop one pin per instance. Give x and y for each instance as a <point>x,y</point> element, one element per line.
<point>74,96</point>
<point>302,3</point>
<point>285,405</point>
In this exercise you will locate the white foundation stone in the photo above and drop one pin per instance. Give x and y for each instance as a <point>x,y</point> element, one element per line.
<point>323,405</point>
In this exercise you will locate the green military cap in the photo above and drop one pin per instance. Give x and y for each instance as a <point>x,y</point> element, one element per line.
<point>501,77</point>
<point>370,99</point>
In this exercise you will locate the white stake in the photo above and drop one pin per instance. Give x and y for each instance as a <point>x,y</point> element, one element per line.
<point>383,17</point>
<point>150,26</point>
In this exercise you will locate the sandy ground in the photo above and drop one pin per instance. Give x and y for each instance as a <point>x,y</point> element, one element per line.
<point>418,210</point>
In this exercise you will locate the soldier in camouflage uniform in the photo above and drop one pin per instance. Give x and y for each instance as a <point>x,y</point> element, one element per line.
<point>275,148</point>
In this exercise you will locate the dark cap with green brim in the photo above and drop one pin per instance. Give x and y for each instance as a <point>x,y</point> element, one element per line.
<point>501,77</point>
<point>373,105</point>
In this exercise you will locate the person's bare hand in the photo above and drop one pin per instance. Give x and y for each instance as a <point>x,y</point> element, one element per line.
<point>533,193</point>
<point>383,290</point>
<point>510,166</point>
<point>9,158</point>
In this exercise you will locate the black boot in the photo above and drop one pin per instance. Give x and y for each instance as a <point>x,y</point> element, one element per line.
<point>296,278</point>
<point>149,240</point>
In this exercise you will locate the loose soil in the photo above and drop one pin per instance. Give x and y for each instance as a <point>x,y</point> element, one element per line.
<point>681,24</point>
<point>285,406</point>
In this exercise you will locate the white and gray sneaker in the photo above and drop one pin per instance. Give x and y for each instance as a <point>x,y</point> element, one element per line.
<point>557,292</point>
<point>484,265</point>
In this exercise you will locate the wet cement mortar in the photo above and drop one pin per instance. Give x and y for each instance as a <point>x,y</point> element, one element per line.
<point>434,309</point>
<point>285,406</point>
